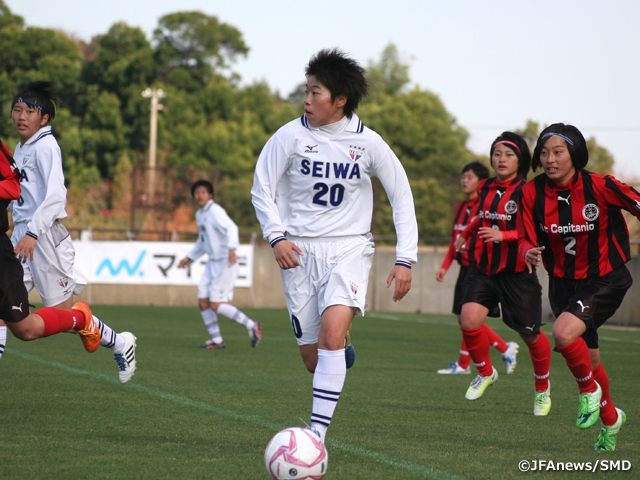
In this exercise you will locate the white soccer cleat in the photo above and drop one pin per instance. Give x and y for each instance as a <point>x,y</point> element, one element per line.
<point>454,369</point>
<point>509,357</point>
<point>126,359</point>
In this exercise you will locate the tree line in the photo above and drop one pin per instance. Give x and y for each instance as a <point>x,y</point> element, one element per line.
<point>209,124</point>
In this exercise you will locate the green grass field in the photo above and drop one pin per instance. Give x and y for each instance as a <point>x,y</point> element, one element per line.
<point>190,413</point>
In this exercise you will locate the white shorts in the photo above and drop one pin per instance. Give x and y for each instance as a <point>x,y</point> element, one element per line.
<point>332,271</point>
<point>218,281</point>
<point>51,270</point>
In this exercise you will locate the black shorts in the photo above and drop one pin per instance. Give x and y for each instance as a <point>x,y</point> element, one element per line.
<point>519,295</point>
<point>458,294</point>
<point>592,300</point>
<point>14,298</point>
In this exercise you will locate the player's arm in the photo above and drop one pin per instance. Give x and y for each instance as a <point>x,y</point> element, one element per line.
<point>396,184</point>
<point>272,163</point>
<point>622,195</point>
<point>472,228</point>
<point>525,228</point>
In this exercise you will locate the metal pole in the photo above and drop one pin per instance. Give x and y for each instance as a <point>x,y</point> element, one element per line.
<point>152,147</point>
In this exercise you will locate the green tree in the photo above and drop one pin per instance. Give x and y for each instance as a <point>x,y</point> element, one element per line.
<point>192,46</point>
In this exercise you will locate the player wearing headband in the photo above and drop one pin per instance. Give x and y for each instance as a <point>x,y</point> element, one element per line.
<point>472,174</point>
<point>41,242</point>
<point>313,197</point>
<point>501,275</point>
<point>572,220</point>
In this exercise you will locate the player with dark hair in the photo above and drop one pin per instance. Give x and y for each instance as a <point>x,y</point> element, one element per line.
<point>572,220</point>
<point>41,242</point>
<point>219,240</point>
<point>14,298</point>
<point>313,197</point>
<point>501,275</point>
<point>472,174</point>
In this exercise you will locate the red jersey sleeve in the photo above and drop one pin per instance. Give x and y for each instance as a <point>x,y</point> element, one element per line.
<point>10,182</point>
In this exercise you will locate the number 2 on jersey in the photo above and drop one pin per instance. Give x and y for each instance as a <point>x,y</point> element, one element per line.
<point>335,193</point>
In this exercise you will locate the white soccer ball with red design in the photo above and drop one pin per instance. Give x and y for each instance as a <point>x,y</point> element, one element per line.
<point>296,453</point>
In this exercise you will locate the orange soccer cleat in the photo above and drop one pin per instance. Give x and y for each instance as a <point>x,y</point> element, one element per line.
<point>90,334</point>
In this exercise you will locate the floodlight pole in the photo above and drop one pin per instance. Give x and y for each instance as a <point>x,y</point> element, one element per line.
<point>154,94</point>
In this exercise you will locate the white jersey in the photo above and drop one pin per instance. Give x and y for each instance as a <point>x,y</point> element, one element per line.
<point>43,194</point>
<point>312,183</point>
<point>218,233</point>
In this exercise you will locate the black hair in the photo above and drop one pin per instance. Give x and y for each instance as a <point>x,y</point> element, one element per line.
<point>341,75</point>
<point>521,149</point>
<point>202,183</point>
<point>576,145</point>
<point>42,95</point>
<point>478,168</point>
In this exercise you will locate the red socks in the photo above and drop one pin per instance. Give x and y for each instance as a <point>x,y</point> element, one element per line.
<point>540,353</point>
<point>57,320</point>
<point>608,412</point>
<point>478,346</point>
<point>576,354</point>
<point>464,359</point>
<point>494,339</point>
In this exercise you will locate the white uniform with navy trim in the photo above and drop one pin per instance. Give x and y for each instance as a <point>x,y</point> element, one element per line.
<point>218,235</point>
<point>314,185</point>
<point>37,213</point>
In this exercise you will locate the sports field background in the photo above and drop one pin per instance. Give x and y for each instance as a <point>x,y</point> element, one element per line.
<point>190,413</point>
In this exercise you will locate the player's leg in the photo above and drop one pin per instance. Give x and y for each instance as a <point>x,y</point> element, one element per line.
<point>461,367</point>
<point>331,370</point>
<point>472,321</point>
<point>3,337</point>
<point>222,292</point>
<point>612,418</point>
<point>464,359</point>
<point>567,333</point>
<point>210,319</point>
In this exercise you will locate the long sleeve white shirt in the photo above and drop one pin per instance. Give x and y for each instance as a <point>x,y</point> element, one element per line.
<point>310,182</point>
<point>43,194</point>
<point>218,233</point>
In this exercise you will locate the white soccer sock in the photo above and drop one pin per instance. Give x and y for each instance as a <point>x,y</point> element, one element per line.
<point>3,339</point>
<point>211,322</point>
<point>108,336</point>
<point>328,381</point>
<point>236,315</point>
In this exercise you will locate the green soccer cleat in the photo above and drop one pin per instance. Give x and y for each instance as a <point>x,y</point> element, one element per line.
<point>542,402</point>
<point>609,435</point>
<point>589,408</point>
<point>480,384</point>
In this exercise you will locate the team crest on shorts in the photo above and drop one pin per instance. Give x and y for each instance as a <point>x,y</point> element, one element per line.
<point>355,153</point>
<point>63,282</point>
<point>590,212</point>
<point>354,288</point>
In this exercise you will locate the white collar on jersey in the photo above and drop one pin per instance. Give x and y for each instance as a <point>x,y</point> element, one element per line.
<point>354,124</point>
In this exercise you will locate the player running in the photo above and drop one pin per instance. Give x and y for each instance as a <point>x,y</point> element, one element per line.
<point>572,219</point>
<point>313,197</point>
<point>41,242</point>
<point>219,240</point>
<point>501,275</point>
<point>472,174</point>
<point>14,298</point>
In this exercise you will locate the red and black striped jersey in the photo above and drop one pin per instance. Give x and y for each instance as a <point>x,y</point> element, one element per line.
<point>580,224</point>
<point>463,213</point>
<point>9,185</point>
<point>498,209</point>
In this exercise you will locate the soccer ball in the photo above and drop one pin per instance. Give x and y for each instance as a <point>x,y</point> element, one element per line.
<point>296,453</point>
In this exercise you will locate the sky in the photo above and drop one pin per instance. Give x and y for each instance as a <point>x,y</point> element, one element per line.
<point>494,64</point>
